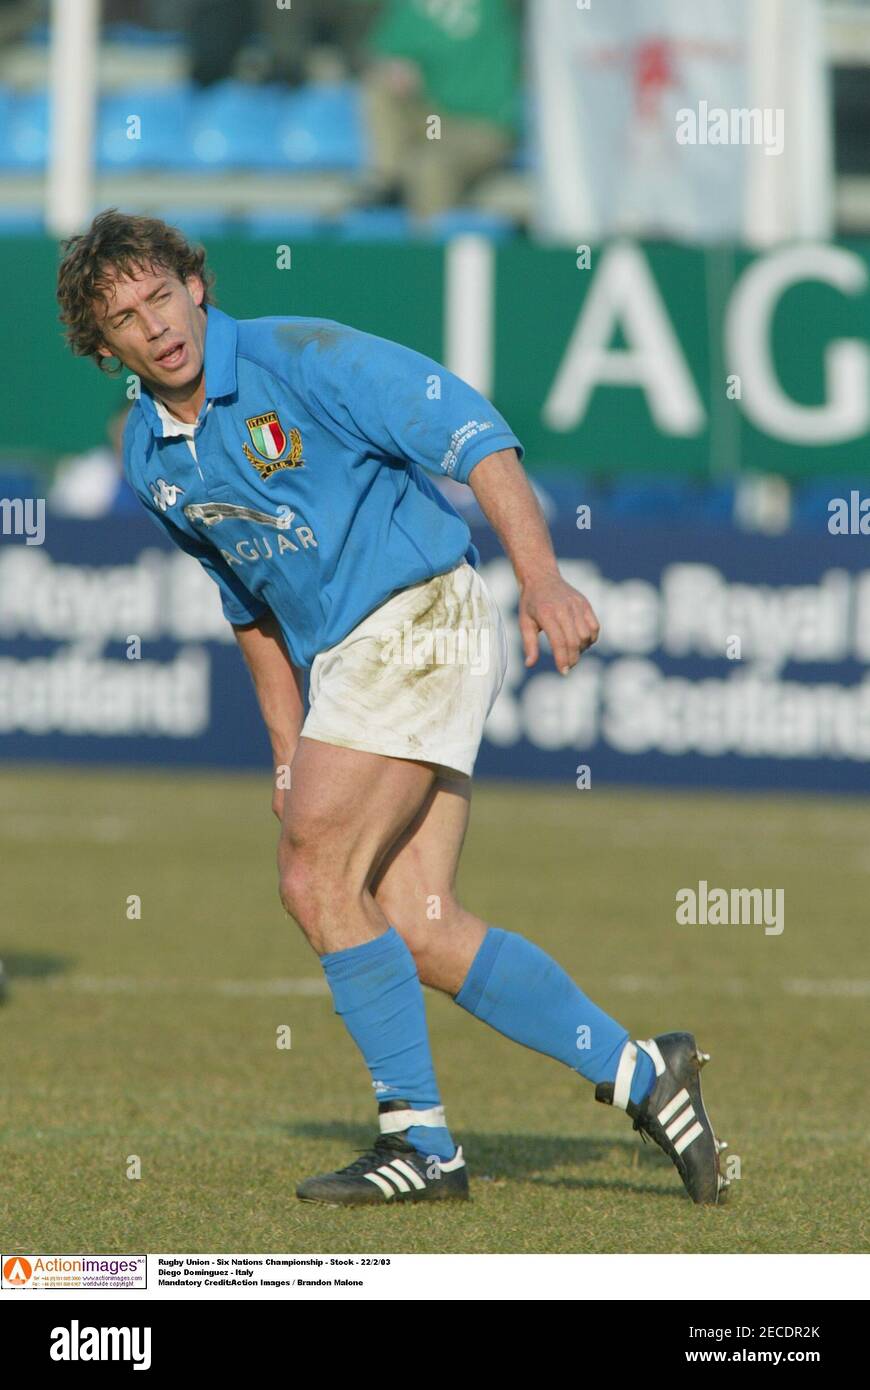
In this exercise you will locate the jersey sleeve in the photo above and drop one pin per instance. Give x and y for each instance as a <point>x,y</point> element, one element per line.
<point>239,605</point>
<point>406,404</point>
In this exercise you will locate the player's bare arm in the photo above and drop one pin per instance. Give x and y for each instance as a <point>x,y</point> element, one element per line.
<point>278,684</point>
<point>547,602</point>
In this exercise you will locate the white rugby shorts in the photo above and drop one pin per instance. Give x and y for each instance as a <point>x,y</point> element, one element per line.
<point>417,677</point>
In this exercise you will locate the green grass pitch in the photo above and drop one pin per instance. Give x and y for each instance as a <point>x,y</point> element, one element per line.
<point>157,1037</point>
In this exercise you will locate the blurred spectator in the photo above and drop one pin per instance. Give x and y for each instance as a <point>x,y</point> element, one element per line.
<point>93,484</point>
<point>163,15</point>
<point>458,60</point>
<point>129,12</point>
<point>17,16</point>
<point>220,29</point>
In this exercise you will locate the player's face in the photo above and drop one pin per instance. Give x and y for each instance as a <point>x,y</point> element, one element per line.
<point>155,324</point>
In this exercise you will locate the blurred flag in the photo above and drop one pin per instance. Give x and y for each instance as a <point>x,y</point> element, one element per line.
<point>704,121</point>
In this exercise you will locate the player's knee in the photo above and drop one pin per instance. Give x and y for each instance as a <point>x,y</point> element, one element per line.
<point>290,891</point>
<point>313,888</point>
<point>300,886</point>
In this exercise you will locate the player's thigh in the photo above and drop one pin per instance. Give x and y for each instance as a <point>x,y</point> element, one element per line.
<point>345,808</point>
<point>414,884</point>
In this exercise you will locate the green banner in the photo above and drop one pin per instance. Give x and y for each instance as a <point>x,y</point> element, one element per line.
<point>668,359</point>
<point>630,357</point>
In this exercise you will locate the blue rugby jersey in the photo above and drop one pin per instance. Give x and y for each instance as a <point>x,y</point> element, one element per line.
<point>305,489</point>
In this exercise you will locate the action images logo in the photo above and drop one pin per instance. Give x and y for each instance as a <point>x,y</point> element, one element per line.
<point>74,1271</point>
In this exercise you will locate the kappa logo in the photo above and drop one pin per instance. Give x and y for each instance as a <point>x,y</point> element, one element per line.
<point>165,494</point>
<point>75,1343</point>
<point>270,441</point>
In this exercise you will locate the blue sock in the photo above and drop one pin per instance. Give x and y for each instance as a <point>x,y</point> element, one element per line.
<point>522,992</point>
<point>377,991</point>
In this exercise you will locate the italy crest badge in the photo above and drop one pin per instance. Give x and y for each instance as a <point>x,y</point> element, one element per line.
<point>269,441</point>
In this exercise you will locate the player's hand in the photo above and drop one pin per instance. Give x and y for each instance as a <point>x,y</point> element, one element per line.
<point>552,606</point>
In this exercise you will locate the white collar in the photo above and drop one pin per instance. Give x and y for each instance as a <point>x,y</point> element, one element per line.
<point>171,424</point>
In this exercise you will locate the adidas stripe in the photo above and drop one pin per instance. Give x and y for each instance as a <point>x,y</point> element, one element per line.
<point>402,1167</point>
<point>681,1108</point>
<point>395,1173</point>
<point>689,1137</point>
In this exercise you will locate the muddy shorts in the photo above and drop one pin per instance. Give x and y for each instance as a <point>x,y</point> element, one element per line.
<point>416,678</point>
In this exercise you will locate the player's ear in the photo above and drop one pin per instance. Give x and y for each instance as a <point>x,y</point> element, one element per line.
<point>103,351</point>
<point>195,288</point>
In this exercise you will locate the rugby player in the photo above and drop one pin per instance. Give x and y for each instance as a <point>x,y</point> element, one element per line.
<point>290,456</point>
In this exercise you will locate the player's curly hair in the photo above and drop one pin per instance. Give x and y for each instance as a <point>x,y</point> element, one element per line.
<point>117,241</point>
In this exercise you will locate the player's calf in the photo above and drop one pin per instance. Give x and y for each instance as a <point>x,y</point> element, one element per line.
<point>443,945</point>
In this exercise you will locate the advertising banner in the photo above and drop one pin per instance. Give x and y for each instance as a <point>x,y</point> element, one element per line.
<point>654,117</point>
<point>726,659</point>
